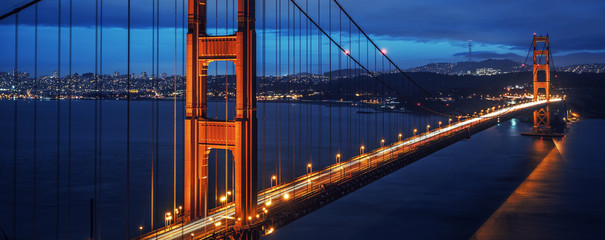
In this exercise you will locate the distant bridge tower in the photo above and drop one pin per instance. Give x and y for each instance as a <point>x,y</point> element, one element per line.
<point>202,133</point>
<point>542,116</point>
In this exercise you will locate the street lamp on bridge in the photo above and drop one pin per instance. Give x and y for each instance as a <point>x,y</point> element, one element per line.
<point>362,149</point>
<point>400,135</point>
<point>167,218</point>
<point>428,126</point>
<point>415,131</point>
<point>273,178</point>
<point>337,158</point>
<point>309,168</point>
<point>382,142</point>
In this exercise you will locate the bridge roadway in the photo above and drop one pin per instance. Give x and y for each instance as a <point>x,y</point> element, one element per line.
<point>221,219</point>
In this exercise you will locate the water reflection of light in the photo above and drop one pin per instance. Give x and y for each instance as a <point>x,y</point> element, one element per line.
<point>513,122</point>
<point>532,198</point>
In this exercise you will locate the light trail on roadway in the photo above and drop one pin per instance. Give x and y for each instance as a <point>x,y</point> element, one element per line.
<point>275,195</point>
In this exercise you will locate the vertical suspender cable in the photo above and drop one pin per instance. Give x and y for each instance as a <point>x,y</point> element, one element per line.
<point>288,72</point>
<point>226,102</point>
<point>383,99</point>
<point>319,106</point>
<point>308,73</point>
<point>294,106</point>
<point>96,117</point>
<point>174,111</point>
<point>157,103</point>
<point>330,87</point>
<point>100,92</point>
<point>359,88</point>
<point>264,90</point>
<point>310,50</point>
<point>377,102</point>
<point>69,89</point>
<point>128,133</point>
<point>35,160</point>
<point>183,83</point>
<point>153,113</point>
<point>58,118</point>
<point>349,64</point>
<point>300,76</point>
<point>15,96</point>
<point>340,83</point>
<point>216,113</point>
<point>278,75</point>
<point>308,138</point>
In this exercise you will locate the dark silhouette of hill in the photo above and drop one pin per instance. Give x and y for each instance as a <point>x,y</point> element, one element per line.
<point>504,65</point>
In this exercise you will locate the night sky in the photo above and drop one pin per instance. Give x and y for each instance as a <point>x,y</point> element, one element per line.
<point>414,32</point>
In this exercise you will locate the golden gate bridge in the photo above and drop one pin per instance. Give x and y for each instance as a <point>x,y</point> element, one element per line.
<point>319,56</point>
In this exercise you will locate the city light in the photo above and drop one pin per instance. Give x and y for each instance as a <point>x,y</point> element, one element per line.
<point>286,196</point>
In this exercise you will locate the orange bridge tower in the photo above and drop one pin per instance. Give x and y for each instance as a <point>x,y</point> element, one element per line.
<point>239,135</point>
<point>542,115</point>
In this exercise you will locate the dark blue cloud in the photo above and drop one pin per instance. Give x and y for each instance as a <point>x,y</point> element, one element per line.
<point>572,25</point>
<point>499,29</point>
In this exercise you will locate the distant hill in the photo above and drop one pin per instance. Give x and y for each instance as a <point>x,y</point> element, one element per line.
<point>497,66</point>
<point>504,65</point>
<point>343,72</point>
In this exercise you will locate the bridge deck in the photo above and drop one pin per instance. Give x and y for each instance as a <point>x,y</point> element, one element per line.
<point>279,201</point>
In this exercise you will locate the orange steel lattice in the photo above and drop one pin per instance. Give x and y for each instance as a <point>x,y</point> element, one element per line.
<point>542,116</point>
<point>202,133</point>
